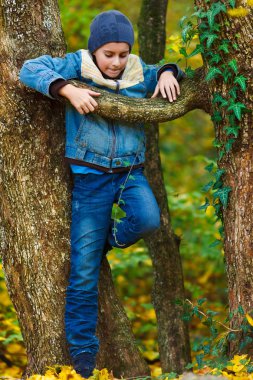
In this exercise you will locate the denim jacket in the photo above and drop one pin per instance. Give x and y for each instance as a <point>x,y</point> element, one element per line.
<point>91,139</point>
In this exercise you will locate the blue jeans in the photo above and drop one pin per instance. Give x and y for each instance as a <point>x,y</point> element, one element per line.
<point>92,200</point>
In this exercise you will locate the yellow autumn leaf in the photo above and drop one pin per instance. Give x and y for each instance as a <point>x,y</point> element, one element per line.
<point>249,319</point>
<point>156,371</point>
<point>238,12</point>
<point>250,3</point>
<point>151,355</point>
<point>68,372</point>
<point>237,365</point>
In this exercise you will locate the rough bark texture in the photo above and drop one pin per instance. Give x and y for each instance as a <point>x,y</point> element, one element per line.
<point>238,216</point>
<point>173,337</point>
<point>35,207</point>
<point>123,358</point>
<point>194,94</point>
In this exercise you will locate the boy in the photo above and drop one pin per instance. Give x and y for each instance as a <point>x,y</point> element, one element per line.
<point>102,153</point>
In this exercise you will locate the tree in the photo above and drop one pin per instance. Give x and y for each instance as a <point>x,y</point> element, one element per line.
<point>225,33</point>
<point>35,203</point>
<point>173,337</point>
<point>34,194</point>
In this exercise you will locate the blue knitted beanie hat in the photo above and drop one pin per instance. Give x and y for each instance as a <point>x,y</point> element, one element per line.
<point>110,26</point>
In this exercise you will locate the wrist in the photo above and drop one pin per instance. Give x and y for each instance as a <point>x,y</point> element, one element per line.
<point>66,90</point>
<point>169,72</point>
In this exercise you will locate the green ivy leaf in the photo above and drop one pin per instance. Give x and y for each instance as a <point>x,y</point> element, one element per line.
<point>211,37</point>
<point>214,10</point>
<point>185,32</point>
<point>232,92</point>
<point>204,206</point>
<point>219,173</point>
<point>209,167</point>
<point>229,144</point>
<point>241,310</point>
<point>189,366</point>
<point>189,72</point>
<point>241,80</point>
<point>207,187</point>
<point>232,130</point>
<point>217,185</point>
<point>224,47</point>
<point>213,73</point>
<point>183,51</point>
<point>237,108</point>
<point>182,20</point>
<point>232,3</point>
<point>210,16</point>
<point>233,65</point>
<point>217,98</point>
<point>216,58</point>
<point>247,340</point>
<point>226,74</point>
<point>215,243</point>
<point>221,154</point>
<point>216,117</point>
<point>197,50</point>
<point>217,208</point>
<point>219,7</point>
<point>201,301</point>
<point>199,359</point>
<point>216,143</point>
<point>222,195</point>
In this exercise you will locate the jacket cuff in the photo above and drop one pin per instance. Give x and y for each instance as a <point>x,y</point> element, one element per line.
<point>56,86</point>
<point>168,67</point>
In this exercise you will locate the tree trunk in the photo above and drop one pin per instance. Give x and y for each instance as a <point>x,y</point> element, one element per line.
<point>238,163</point>
<point>35,202</point>
<point>173,337</point>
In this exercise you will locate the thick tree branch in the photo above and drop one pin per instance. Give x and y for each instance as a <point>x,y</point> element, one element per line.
<point>194,94</point>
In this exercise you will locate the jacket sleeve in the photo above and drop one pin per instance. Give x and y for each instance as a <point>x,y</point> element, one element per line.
<point>152,73</point>
<point>41,72</point>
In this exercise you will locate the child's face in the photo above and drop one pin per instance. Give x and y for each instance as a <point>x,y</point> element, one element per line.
<point>112,58</point>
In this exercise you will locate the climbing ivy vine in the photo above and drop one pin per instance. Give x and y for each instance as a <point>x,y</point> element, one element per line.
<point>227,109</point>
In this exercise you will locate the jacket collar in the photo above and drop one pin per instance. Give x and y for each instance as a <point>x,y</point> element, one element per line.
<point>132,75</point>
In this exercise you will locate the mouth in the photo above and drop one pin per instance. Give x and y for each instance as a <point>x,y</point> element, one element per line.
<point>114,71</point>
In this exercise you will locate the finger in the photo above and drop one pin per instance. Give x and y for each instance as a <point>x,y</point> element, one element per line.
<point>176,84</point>
<point>93,102</point>
<point>172,91</point>
<point>90,107</point>
<point>169,95</point>
<point>162,90</point>
<point>85,109</point>
<point>80,110</point>
<point>94,93</point>
<point>156,92</point>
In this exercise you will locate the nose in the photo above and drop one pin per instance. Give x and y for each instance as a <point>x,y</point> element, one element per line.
<point>116,61</point>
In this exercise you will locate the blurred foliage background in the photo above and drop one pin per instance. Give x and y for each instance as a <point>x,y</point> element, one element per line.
<point>186,148</point>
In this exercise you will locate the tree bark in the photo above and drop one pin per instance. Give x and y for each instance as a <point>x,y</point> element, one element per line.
<point>238,163</point>
<point>35,202</point>
<point>173,336</point>
<point>194,94</point>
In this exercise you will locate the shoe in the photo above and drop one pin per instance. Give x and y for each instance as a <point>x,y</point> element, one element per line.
<point>84,364</point>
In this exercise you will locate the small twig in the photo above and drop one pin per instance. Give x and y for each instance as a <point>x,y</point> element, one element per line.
<point>205,315</point>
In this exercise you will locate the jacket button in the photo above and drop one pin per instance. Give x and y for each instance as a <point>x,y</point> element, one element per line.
<point>118,162</point>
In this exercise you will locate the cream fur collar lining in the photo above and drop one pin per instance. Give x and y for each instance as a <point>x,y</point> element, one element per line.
<point>133,73</point>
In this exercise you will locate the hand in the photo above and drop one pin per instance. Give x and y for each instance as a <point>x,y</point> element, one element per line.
<point>168,86</point>
<point>81,98</point>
